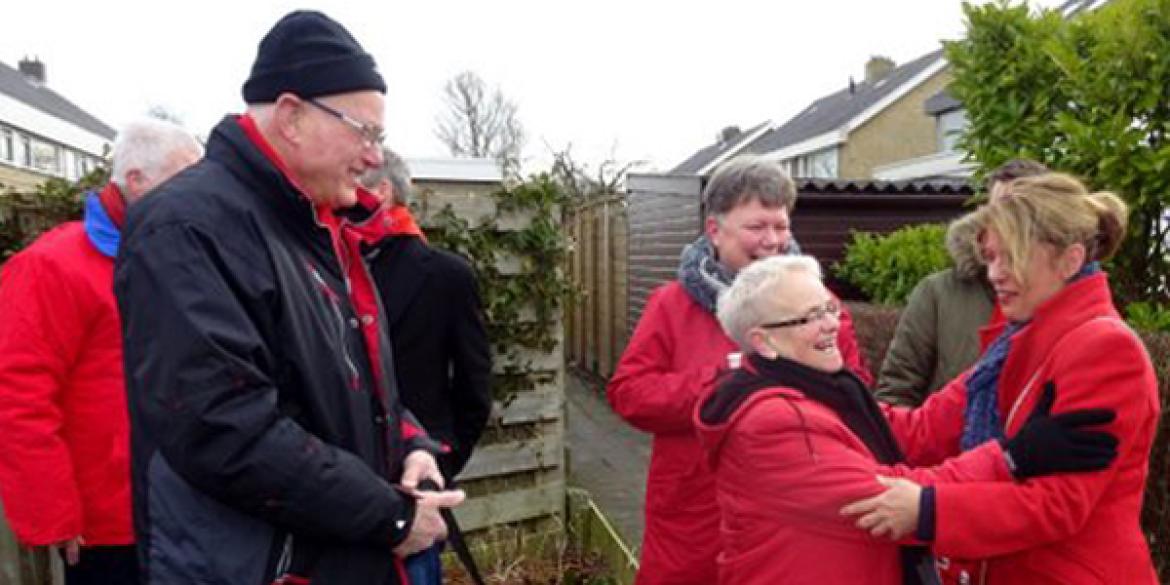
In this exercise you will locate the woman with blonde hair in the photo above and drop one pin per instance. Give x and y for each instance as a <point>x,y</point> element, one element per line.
<point>1063,347</point>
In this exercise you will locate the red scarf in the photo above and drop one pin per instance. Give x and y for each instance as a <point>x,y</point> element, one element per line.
<point>114,203</point>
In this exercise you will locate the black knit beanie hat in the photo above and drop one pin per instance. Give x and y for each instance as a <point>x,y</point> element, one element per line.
<point>310,54</point>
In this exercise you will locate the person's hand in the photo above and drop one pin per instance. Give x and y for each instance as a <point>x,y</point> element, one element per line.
<point>71,549</point>
<point>1049,443</point>
<point>428,525</point>
<point>892,513</point>
<point>420,465</point>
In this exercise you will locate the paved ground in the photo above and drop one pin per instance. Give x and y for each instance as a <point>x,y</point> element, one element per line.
<point>607,457</point>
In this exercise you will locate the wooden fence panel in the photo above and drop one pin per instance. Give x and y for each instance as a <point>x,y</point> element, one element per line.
<point>519,474</point>
<point>599,261</point>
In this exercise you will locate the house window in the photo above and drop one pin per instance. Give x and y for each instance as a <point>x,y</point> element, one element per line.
<point>6,145</point>
<point>69,164</point>
<point>46,157</point>
<point>25,152</point>
<point>822,164</point>
<point>78,164</point>
<point>950,126</point>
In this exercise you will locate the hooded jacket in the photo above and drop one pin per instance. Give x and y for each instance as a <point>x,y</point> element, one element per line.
<point>789,447</point>
<point>937,337</point>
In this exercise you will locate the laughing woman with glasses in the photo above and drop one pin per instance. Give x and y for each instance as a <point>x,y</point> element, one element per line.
<point>792,437</point>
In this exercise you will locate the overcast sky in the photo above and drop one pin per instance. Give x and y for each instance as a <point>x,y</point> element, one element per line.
<point>631,79</point>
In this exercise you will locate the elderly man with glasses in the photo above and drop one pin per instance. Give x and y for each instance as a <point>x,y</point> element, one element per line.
<point>269,441</point>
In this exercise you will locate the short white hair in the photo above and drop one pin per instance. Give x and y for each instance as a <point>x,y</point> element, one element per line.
<point>740,306</point>
<point>146,145</point>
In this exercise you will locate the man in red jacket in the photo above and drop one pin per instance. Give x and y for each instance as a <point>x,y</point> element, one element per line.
<point>64,468</point>
<point>677,352</point>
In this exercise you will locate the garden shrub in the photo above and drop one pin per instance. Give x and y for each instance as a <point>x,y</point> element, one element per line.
<point>887,268</point>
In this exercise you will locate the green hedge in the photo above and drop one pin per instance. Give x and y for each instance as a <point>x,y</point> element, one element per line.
<point>875,327</point>
<point>887,268</point>
<point>23,216</point>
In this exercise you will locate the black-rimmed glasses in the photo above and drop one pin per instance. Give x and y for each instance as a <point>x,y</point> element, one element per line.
<point>371,135</point>
<point>830,308</point>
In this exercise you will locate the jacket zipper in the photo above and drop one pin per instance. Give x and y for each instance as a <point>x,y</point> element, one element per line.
<point>284,563</point>
<point>335,304</point>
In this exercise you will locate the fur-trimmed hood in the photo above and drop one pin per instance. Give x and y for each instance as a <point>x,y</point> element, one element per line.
<point>962,243</point>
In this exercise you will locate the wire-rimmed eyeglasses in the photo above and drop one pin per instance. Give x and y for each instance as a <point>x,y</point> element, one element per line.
<point>372,135</point>
<point>816,314</point>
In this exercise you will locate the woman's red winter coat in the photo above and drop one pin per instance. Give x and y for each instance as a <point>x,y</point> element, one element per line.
<point>672,361</point>
<point>1068,529</point>
<point>785,465</point>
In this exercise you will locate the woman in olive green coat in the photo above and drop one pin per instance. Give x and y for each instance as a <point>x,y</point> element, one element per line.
<point>937,337</point>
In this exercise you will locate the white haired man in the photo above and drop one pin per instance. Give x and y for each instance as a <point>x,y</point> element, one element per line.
<point>64,469</point>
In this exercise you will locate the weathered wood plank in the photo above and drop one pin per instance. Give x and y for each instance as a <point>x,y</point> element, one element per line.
<point>515,221</point>
<point>515,456</point>
<point>473,203</point>
<point>532,407</point>
<point>543,500</point>
<point>529,359</point>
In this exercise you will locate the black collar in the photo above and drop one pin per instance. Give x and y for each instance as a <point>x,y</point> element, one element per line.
<point>841,391</point>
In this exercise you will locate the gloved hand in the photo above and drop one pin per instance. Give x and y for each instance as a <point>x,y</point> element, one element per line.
<point>1048,443</point>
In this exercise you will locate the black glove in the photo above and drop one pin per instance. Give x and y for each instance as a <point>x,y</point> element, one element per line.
<point>1048,443</point>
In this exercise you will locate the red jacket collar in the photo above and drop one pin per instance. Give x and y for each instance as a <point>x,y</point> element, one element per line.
<point>252,131</point>
<point>1075,304</point>
<point>384,220</point>
<point>114,203</point>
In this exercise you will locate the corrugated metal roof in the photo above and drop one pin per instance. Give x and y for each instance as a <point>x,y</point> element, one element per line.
<point>916,187</point>
<point>13,84</point>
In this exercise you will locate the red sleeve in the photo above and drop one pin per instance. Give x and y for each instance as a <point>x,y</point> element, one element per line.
<point>645,389</point>
<point>806,462</point>
<point>1048,509</point>
<point>850,351</point>
<point>930,433</point>
<point>40,334</point>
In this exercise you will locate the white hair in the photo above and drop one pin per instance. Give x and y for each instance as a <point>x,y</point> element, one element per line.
<point>740,307</point>
<point>146,145</point>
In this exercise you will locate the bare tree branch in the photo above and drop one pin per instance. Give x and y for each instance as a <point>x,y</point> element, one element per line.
<point>581,183</point>
<point>479,123</point>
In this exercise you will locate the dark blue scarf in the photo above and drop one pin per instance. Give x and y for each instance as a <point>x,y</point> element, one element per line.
<point>981,419</point>
<point>703,276</point>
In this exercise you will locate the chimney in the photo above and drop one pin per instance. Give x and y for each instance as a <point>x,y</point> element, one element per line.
<point>878,67</point>
<point>32,70</point>
<point>728,134</point>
